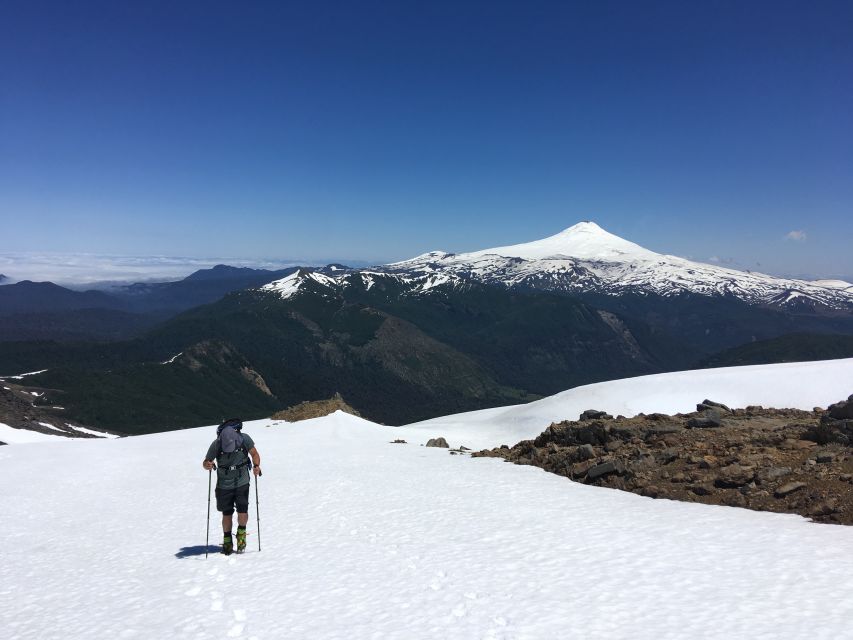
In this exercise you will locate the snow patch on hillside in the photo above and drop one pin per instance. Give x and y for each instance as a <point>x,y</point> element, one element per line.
<point>21,376</point>
<point>798,385</point>
<point>11,435</point>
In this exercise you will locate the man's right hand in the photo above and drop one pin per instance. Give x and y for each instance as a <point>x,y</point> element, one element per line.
<point>208,465</point>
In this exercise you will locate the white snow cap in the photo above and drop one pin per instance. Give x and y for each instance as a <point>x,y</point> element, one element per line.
<point>585,240</point>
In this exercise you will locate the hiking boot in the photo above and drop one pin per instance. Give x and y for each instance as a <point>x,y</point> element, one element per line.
<point>241,540</point>
<point>227,545</point>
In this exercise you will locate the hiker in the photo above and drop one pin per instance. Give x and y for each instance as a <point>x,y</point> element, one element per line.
<point>231,450</point>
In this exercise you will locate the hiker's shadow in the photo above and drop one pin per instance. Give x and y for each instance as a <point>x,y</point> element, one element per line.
<point>199,550</point>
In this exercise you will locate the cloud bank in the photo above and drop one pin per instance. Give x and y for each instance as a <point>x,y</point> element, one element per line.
<point>89,269</point>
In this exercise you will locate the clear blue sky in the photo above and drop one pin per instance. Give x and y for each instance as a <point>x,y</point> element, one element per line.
<point>377,131</point>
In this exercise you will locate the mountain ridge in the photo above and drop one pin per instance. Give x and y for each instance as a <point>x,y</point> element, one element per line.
<point>585,258</point>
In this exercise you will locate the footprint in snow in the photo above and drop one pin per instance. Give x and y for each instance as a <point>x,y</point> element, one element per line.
<point>236,629</point>
<point>216,601</point>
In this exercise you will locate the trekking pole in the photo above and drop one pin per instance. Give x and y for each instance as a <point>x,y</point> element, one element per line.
<point>207,535</point>
<point>258,508</point>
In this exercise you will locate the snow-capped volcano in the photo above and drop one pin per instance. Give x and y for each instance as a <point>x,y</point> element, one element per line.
<point>583,241</point>
<point>587,259</point>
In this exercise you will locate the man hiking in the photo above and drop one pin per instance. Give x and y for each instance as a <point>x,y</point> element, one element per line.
<point>231,450</point>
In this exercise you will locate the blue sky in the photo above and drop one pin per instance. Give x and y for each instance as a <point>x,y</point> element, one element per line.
<point>376,131</point>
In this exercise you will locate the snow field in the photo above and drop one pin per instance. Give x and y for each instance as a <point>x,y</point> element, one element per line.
<point>367,539</point>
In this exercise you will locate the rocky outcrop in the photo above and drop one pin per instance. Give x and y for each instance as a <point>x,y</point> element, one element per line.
<point>842,410</point>
<point>783,460</point>
<point>438,442</point>
<point>315,409</point>
<point>23,407</point>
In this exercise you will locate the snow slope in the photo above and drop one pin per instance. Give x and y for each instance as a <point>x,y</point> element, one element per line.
<point>11,435</point>
<point>797,385</point>
<point>367,539</point>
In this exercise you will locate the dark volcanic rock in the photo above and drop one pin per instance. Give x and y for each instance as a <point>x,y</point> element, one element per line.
<point>604,469</point>
<point>710,404</point>
<point>592,414</point>
<point>657,417</point>
<point>709,419</point>
<point>842,410</point>
<point>734,476</point>
<point>585,452</point>
<point>574,434</point>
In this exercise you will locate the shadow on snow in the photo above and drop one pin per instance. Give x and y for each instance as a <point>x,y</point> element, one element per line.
<point>198,550</point>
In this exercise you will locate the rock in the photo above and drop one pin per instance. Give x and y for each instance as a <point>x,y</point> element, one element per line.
<point>666,456</point>
<point>613,445</point>
<point>660,430</point>
<point>805,444</point>
<point>605,468</point>
<point>440,442</point>
<point>827,432</point>
<point>462,448</point>
<point>708,462</point>
<point>789,488</point>
<point>399,442</point>
<point>705,405</point>
<point>593,414</point>
<point>842,410</point>
<point>845,477</point>
<point>734,476</point>
<point>824,508</point>
<point>580,469</point>
<point>709,419</point>
<point>825,457</point>
<point>650,491</point>
<point>735,500</point>
<point>657,417</point>
<point>774,473</point>
<point>567,435</point>
<point>585,452</point>
<point>703,489</point>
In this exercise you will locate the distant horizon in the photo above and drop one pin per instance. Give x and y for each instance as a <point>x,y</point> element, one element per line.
<point>102,270</point>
